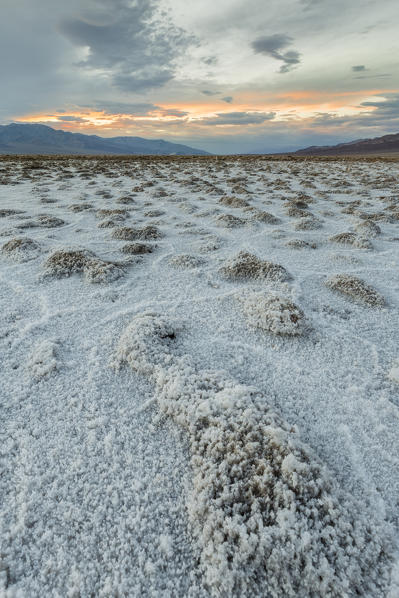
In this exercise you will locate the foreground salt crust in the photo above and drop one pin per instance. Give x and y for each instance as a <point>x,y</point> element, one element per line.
<point>43,360</point>
<point>20,249</point>
<point>356,289</point>
<point>268,518</point>
<point>274,314</point>
<point>246,266</point>
<point>65,262</point>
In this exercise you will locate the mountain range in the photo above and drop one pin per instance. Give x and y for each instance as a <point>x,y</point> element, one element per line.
<point>25,138</point>
<point>379,145</point>
<point>40,139</point>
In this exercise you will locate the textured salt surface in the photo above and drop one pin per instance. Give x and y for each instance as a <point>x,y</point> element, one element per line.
<point>105,474</point>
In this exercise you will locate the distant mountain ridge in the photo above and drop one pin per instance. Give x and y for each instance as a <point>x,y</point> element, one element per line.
<point>378,145</point>
<point>18,138</point>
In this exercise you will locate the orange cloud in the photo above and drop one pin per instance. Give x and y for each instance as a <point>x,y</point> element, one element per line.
<point>296,106</point>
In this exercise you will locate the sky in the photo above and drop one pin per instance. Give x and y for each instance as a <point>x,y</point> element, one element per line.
<point>227,76</point>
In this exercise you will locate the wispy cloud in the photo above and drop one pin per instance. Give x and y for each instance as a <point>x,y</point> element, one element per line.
<point>237,118</point>
<point>272,45</point>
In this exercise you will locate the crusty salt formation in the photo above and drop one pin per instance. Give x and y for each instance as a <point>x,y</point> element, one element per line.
<point>268,518</point>
<point>80,207</point>
<point>297,203</point>
<point>154,213</point>
<point>48,221</point>
<point>265,217</point>
<point>65,262</point>
<point>126,199</point>
<point>300,244</point>
<point>186,261</point>
<point>20,249</point>
<point>308,224</point>
<point>351,239</point>
<point>8,212</point>
<point>108,223</point>
<point>233,202</point>
<point>245,265</point>
<point>229,221</point>
<point>368,228</point>
<point>137,248</point>
<point>126,233</point>
<point>43,360</point>
<point>99,271</point>
<point>295,212</point>
<point>274,314</point>
<point>355,288</point>
<point>105,213</point>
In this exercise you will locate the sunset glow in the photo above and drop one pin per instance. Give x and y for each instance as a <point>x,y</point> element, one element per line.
<point>262,78</point>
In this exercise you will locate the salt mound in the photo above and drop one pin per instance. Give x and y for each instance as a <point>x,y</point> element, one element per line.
<point>43,360</point>
<point>122,213</point>
<point>8,212</point>
<point>126,233</point>
<point>186,261</point>
<point>351,239</point>
<point>65,262</point>
<point>273,314</point>
<point>148,233</point>
<point>268,518</point>
<point>126,199</point>
<point>307,224</point>
<point>137,248</point>
<point>98,271</point>
<point>295,212</point>
<point>356,288</point>
<point>369,228</point>
<point>240,189</point>
<point>108,223</point>
<point>229,221</point>
<point>49,221</point>
<point>246,266</point>
<point>80,207</point>
<point>20,249</point>
<point>300,244</point>
<point>154,213</point>
<point>265,217</point>
<point>297,203</point>
<point>233,202</point>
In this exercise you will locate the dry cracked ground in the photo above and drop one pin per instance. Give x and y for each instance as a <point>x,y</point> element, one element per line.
<point>199,383</point>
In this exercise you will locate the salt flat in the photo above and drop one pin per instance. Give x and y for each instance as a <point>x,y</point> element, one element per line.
<point>199,382</point>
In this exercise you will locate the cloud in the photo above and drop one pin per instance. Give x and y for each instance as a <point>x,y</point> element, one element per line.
<point>134,109</point>
<point>271,45</point>
<point>208,92</point>
<point>375,76</point>
<point>384,110</point>
<point>173,112</point>
<point>127,42</point>
<point>359,68</point>
<point>210,60</point>
<point>382,116</point>
<point>237,118</point>
<point>227,99</point>
<point>72,119</point>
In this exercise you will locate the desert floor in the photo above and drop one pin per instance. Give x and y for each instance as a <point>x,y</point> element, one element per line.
<point>199,382</point>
